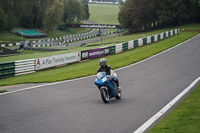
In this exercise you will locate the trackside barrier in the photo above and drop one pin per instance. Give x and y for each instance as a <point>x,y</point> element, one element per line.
<point>148,39</point>
<point>140,42</point>
<point>118,48</point>
<point>32,65</point>
<point>112,49</point>
<point>124,46</point>
<point>7,70</point>
<point>130,44</point>
<point>158,37</point>
<point>144,41</point>
<point>152,39</point>
<point>57,60</point>
<point>164,35</point>
<point>24,67</point>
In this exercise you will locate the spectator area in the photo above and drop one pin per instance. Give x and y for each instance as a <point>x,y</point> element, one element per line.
<point>30,34</point>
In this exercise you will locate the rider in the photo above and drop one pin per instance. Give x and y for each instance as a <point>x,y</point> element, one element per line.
<point>106,68</point>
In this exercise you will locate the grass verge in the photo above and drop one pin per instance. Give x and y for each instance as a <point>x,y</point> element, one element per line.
<point>184,119</point>
<point>3,91</point>
<point>88,68</point>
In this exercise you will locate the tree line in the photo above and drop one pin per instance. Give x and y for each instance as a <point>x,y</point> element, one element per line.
<point>144,15</point>
<point>45,14</point>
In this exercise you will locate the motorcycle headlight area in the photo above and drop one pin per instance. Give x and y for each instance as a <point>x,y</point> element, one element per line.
<point>99,75</point>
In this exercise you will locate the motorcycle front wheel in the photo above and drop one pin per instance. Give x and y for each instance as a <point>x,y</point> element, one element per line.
<point>119,94</point>
<point>105,94</point>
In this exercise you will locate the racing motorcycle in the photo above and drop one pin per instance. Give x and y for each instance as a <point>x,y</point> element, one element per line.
<point>108,88</point>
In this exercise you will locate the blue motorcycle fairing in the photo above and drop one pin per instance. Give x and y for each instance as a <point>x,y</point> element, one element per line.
<point>105,81</point>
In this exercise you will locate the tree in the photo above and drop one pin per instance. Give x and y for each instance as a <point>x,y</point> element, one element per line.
<point>86,9</point>
<point>53,15</point>
<point>3,23</point>
<point>41,13</point>
<point>143,15</point>
<point>73,11</point>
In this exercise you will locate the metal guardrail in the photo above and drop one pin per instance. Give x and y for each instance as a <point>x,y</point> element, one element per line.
<point>7,69</point>
<point>24,67</point>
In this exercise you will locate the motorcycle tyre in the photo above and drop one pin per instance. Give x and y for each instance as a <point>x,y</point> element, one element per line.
<point>104,92</point>
<point>119,94</point>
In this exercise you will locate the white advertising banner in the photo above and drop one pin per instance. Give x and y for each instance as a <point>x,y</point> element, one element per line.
<point>118,48</point>
<point>130,44</point>
<point>140,42</point>
<point>51,61</point>
<point>148,39</point>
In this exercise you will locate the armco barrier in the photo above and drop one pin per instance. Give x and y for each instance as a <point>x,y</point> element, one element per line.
<point>144,41</point>
<point>130,44</point>
<point>24,67</point>
<point>164,35</point>
<point>158,37</point>
<point>135,43</point>
<point>124,46</point>
<point>118,48</point>
<point>140,42</point>
<point>7,69</point>
<point>112,49</point>
<point>169,33</point>
<point>152,39</point>
<point>148,39</point>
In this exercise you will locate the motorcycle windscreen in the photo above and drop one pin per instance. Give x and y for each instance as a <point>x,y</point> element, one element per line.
<point>100,75</point>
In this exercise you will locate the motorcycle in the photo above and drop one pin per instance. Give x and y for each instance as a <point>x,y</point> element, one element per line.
<point>108,88</point>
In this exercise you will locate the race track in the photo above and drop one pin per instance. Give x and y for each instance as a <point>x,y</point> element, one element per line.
<point>76,106</point>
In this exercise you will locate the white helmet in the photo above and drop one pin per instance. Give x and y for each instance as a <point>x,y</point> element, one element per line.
<point>102,62</point>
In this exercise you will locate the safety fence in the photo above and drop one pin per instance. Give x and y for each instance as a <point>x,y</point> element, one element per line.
<point>33,65</point>
<point>7,69</point>
<point>24,67</point>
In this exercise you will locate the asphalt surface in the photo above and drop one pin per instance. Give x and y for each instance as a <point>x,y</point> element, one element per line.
<point>76,106</point>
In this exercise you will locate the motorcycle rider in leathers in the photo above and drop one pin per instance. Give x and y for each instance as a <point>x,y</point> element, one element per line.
<point>106,68</point>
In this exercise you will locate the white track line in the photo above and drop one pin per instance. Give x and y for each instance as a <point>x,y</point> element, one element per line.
<point>29,88</point>
<point>148,123</point>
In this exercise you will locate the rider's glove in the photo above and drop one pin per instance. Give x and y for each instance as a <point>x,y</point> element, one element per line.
<point>110,77</point>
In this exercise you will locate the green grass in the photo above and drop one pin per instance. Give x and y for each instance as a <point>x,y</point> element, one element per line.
<point>184,119</point>
<point>90,67</point>
<point>104,14</point>
<point>9,37</point>
<point>2,91</point>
